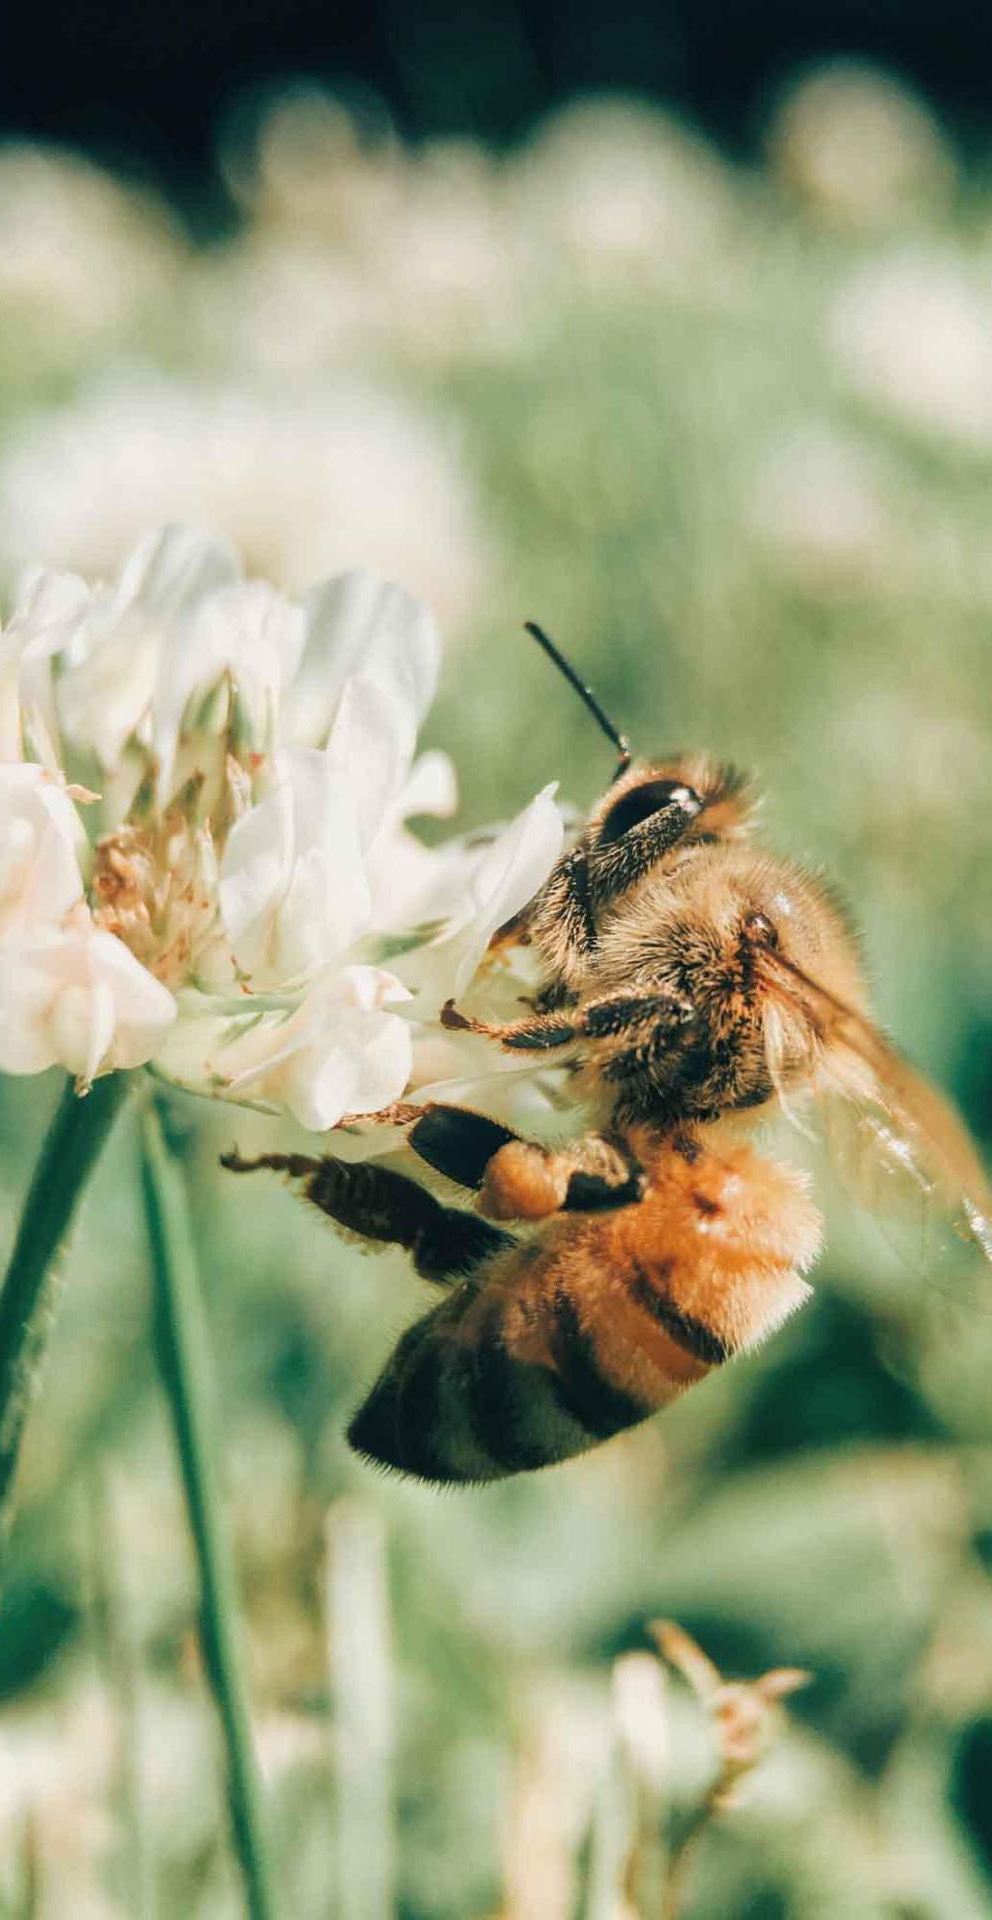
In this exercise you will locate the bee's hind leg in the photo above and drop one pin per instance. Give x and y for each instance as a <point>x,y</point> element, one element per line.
<point>525,1181</point>
<point>380,1205</point>
<point>518,1179</point>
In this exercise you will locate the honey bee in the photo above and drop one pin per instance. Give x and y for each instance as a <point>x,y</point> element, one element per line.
<point>693,982</point>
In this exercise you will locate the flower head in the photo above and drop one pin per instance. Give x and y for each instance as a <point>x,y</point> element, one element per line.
<point>235,895</point>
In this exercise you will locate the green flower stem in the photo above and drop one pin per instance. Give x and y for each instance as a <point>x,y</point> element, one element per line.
<point>185,1361</point>
<point>71,1150</point>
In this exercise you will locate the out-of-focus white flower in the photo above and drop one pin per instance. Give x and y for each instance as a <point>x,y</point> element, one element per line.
<point>614,189</point>
<point>40,840</point>
<point>254,918</point>
<point>912,334</point>
<point>359,248</point>
<point>350,477</point>
<point>818,504</point>
<point>860,146</point>
<point>306,160</point>
<point>643,1716</point>
<point>456,273</point>
<point>60,1758</point>
<point>84,261</point>
<point>75,997</point>
<point>280,304</point>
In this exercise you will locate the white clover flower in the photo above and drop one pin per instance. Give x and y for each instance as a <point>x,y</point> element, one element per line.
<point>911,333</point>
<point>622,195</point>
<point>84,662</point>
<point>341,1052</point>
<point>352,475</point>
<point>249,912</point>
<point>40,839</point>
<point>86,263</point>
<point>74,996</point>
<point>357,246</point>
<point>825,508</point>
<point>502,878</point>
<point>309,162</point>
<point>244,633</point>
<point>860,146</point>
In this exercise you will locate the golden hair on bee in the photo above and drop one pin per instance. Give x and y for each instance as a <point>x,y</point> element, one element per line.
<point>692,980</point>
<point>551,1344</point>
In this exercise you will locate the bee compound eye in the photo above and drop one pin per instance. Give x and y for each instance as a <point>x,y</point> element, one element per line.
<point>761,931</point>
<point>643,802</point>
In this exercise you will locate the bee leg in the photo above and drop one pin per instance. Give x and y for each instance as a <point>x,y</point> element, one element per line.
<point>621,1013</point>
<point>399,1113</point>
<point>597,1020</point>
<point>617,865</point>
<point>562,915</point>
<point>525,1181</point>
<point>514,932</point>
<point>457,1142</point>
<point>555,996</point>
<point>378,1204</point>
<point>543,1031</point>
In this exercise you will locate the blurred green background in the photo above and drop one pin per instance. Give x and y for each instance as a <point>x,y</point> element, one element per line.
<point>726,430</point>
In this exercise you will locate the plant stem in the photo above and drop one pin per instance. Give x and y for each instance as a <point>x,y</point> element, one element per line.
<point>72,1147</point>
<point>117,1663</point>
<point>360,1666</point>
<point>683,1854</point>
<point>185,1361</point>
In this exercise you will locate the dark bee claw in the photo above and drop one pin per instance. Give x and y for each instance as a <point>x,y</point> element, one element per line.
<point>590,1193</point>
<point>458,1143</point>
<point>455,1022</point>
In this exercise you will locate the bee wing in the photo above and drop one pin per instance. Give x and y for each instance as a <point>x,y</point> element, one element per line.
<point>891,1134</point>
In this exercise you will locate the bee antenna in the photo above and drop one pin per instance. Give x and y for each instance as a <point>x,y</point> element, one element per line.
<point>586,695</point>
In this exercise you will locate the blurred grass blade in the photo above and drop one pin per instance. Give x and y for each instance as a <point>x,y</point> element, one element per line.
<point>71,1150</point>
<point>360,1662</point>
<point>644,1739</point>
<point>117,1663</point>
<point>30,1891</point>
<point>547,1843</point>
<point>605,1853</point>
<point>184,1357</point>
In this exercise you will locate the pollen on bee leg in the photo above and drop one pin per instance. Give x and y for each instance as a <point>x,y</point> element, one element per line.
<point>523,1182</point>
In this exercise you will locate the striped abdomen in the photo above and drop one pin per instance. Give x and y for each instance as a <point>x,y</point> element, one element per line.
<point>598,1322</point>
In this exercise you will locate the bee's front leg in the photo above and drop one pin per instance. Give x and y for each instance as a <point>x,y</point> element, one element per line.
<point>615,865</point>
<point>604,1019</point>
<point>540,1033</point>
